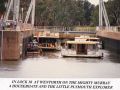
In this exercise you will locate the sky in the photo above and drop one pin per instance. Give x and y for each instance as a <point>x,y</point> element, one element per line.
<point>95,1</point>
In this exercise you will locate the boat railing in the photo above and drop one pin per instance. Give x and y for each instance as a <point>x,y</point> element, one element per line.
<point>52,45</point>
<point>65,29</point>
<point>68,51</point>
<point>109,29</point>
<point>94,51</point>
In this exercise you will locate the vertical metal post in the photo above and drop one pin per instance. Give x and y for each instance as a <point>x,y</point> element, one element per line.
<point>10,4</point>
<point>17,9</point>
<point>15,5</point>
<point>31,10</point>
<point>100,14</point>
<point>14,9</point>
<point>1,46</point>
<point>33,13</point>
<point>22,15</point>
<point>105,15</point>
<point>28,12</point>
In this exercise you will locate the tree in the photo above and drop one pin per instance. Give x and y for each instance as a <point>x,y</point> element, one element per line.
<point>2,7</point>
<point>95,16</point>
<point>63,12</point>
<point>113,11</point>
<point>88,9</point>
<point>113,8</point>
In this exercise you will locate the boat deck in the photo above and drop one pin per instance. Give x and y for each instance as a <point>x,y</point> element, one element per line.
<point>50,48</point>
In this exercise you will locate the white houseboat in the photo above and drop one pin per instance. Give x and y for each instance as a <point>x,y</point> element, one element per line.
<point>86,47</point>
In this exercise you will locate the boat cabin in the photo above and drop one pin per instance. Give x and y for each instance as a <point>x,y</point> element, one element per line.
<point>81,47</point>
<point>87,38</point>
<point>48,41</point>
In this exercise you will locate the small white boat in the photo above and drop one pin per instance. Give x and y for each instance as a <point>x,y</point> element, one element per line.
<point>82,48</point>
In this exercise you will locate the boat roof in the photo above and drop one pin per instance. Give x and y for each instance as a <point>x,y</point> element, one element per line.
<point>82,42</point>
<point>46,36</point>
<point>95,38</point>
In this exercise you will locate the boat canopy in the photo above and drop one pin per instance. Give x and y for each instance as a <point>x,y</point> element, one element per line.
<point>87,37</point>
<point>83,42</point>
<point>46,37</point>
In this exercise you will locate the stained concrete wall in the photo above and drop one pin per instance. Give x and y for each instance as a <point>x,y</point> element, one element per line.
<point>111,40</point>
<point>14,43</point>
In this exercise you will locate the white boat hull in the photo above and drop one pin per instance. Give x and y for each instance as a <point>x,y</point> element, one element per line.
<point>83,56</point>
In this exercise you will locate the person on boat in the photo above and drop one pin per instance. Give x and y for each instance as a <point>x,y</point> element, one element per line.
<point>14,24</point>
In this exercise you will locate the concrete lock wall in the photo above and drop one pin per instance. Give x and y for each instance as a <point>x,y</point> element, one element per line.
<point>111,40</point>
<point>14,44</point>
<point>111,44</point>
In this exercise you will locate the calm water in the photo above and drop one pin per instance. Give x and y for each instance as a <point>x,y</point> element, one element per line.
<point>52,65</point>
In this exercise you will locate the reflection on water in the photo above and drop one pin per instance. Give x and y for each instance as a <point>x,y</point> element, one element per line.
<point>52,65</point>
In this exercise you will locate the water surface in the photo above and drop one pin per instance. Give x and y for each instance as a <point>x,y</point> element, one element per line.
<point>52,65</point>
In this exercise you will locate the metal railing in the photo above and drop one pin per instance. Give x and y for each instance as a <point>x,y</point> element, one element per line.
<point>110,29</point>
<point>64,29</point>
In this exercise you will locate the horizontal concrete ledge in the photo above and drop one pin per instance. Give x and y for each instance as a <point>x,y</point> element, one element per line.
<point>16,30</point>
<point>109,34</point>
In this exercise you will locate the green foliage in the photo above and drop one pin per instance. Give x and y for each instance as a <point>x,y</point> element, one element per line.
<point>113,9</point>
<point>95,16</point>
<point>63,12</point>
<point>2,6</point>
<point>69,12</point>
